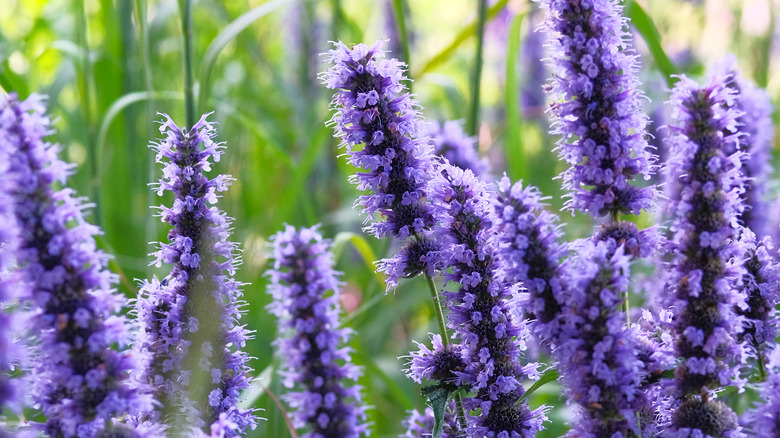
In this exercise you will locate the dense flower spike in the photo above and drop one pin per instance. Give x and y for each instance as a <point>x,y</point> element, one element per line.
<point>599,356</point>
<point>190,318</point>
<point>529,253</point>
<point>306,301</point>
<point>707,252</point>
<point>764,420</point>
<point>441,364</point>
<point>597,107</point>
<point>374,111</point>
<point>761,284</point>
<point>481,312</point>
<point>452,143</point>
<point>81,383</point>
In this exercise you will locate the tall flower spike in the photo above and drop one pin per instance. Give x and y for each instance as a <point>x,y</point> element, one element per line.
<point>481,311</point>
<point>378,124</point>
<point>80,382</point>
<point>707,252</point>
<point>599,356</point>
<point>190,318</point>
<point>529,254</point>
<point>305,289</point>
<point>597,107</point>
<point>453,144</point>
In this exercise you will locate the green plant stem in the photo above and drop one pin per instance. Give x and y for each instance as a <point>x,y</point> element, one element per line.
<point>85,96</point>
<point>185,9</point>
<point>476,76</point>
<point>400,22</point>
<point>761,366</point>
<point>445,340</point>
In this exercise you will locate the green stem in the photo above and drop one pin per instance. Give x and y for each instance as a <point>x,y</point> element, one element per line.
<point>761,366</point>
<point>400,22</point>
<point>476,77</point>
<point>140,9</point>
<point>85,95</point>
<point>185,8</point>
<point>445,340</point>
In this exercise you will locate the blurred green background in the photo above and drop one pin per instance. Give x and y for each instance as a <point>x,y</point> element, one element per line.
<point>109,66</point>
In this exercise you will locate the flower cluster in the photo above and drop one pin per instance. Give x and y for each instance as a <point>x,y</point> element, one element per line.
<point>190,318</point>
<point>452,143</point>
<point>529,253</point>
<point>306,301</point>
<point>706,248</point>
<point>598,112</point>
<point>599,356</point>
<point>480,310</point>
<point>81,383</point>
<point>373,109</point>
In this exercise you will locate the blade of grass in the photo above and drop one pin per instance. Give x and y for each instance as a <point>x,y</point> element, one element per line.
<point>476,74</point>
<point>84,79</point>
<point>547,377</point>
<point>645,26</point>
<point>361,246</point>
<point>400,22</point>
<point>226,36</point>
<point>185,10</point>
<point>467,32</point>
<point>516,160</point>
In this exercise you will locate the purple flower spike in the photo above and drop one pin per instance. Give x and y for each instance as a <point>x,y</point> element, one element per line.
<point>190,318</point>
<point>378,124</point>
<point>482,310</point>
<point>421,425</point>
<point>80,382</point>
<point>757,128</point>
<point>707,250</point>
<point>597,108</point>
<point>452,143</point>
<point>306,301</point>
<point>529,253</point>
<point>441,364</point>
<point>599,356</point>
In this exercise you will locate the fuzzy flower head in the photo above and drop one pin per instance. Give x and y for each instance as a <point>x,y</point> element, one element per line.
<point>597,107</point>
<point>305,289</point>
<point>601,367</point>
<point>453,144</point>
<point>481,310</point>
<point>190,318</point>
<point>527,237</point>
<point>80,380</point>
<point>442,363</point>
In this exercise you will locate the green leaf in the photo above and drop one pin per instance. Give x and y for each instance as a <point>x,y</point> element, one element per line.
<point>467,32</point>
<point>548,376</point>
<point>363,248</point>
<point>226,36</point>
<point>437,397</point>
<point>645,26</point>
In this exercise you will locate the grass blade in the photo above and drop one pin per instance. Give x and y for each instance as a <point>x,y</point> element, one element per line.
<point>226,36</point>
<point>400,22</point>
<point>645,26</point>
<point>516,160</point>
<point>476,75</point>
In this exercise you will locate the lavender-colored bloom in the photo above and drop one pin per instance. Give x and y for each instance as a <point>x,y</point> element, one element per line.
<point>81,383</point>
<point>190,318</point>
<point>529,253</point>
<point>597,109</point>
<point>306,293</point>
<point>761,284</point>
<point>707,252</point>
<point>481,312</point>
<point>764,420</point>
<point>420,425</point>
<point>452,143</point>
<point>599,356</point>
<point>378,124</point>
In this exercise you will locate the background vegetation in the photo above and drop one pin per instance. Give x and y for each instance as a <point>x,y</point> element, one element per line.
<point>109,66</point>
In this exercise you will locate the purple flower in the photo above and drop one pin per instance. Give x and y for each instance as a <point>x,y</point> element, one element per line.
<point>190,318</point>
<point>757,135</point>
<point>481,310</point>
<point>378,124</point>
<point>441,364</point>
<point>706,250</point>
<point>80,381</point>
<point>599,356</point>
<point>305,289</point>
<point>452,143</point>
<point>529,253</point>
<point>421,425</point>
<point>764,419</point>
<point>761,285</point>
<point>598,107</point>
